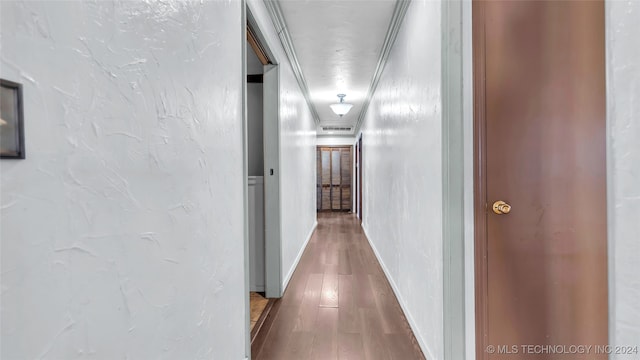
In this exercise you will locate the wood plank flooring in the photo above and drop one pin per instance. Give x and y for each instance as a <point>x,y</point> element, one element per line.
<point>338,305</point>
<point>257,304</point>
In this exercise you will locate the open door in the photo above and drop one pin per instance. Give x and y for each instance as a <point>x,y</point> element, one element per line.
<point>262,144</point>
<point>359,179</point>
<point>273,280</point>
<point>267,143</point>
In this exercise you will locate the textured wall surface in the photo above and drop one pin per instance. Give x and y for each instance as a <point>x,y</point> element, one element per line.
<point>297,153</point>
<point>335,140</point>
<point>122,230</point>
<point>298,167</point>
<point>623,93</point>
<point>403,173</point>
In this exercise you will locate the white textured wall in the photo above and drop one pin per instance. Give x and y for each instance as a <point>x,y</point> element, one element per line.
<point>298,169</point>
<point>122,230</point>
<point>336,141</point>
<point>403,173</point>
<point>623,94</point>
<point>297,153</point>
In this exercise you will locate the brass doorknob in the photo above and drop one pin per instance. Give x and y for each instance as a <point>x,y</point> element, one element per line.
<point>500,207</point>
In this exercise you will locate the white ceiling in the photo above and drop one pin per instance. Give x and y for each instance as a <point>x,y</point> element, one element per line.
<point>338,45</point>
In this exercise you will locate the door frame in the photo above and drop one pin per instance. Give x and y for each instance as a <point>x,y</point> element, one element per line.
<point>475,215</point>
<point>272,204</point>
<point>351,170</point>
<point>271,150</point>
<point>457,25</point>
<point>272,144</point>
<point>480,180</point>
<point>359,177</point>
<point>454,181</point>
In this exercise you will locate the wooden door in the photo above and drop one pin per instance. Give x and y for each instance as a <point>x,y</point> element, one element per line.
<point>359,179</point>
<point>541,269</point>
<point>319,183</point>
<point>325,178</point>
<point>334,178</point>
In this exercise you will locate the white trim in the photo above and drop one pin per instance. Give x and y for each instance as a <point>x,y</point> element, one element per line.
<point>275,13</point>
<point>245,182</point>
<point>399,11</point>
<point>285,282</point>
<point>610,180</point>
<point>453,225</point>
<point>272,182</point>
<point>469,235</point>
<point>277,18</point>
<point>412,324</point>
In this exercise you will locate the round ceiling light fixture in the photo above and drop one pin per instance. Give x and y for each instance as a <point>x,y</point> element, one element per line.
<point>341,108</point>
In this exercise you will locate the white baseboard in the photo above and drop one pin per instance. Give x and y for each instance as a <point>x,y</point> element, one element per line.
<point>285,282</point>
<point>425,349</point>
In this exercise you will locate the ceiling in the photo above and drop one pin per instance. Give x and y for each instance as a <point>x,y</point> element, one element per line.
<point>338,45</point>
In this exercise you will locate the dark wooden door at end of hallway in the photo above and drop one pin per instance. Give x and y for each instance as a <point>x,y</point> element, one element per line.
<point>334,178</point>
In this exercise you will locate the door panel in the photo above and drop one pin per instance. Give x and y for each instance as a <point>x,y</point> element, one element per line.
<point>544,117</point>
<point>326,178</point>
<point>318,181</point>
<point>360,177</point>
<point>345,178</point>
<point>334,178</point>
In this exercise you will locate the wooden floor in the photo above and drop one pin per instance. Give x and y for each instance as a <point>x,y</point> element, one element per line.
<point>257,304</point>
<point>338,304</point>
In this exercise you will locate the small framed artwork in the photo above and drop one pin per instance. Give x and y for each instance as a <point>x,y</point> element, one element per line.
<point>11,121</point>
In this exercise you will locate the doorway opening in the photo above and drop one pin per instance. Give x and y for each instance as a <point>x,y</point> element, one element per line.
<point>539,175</point>
<point>262,138</point>
<point>334,177</point>
<point>359,177</point>
<point>256,60</point>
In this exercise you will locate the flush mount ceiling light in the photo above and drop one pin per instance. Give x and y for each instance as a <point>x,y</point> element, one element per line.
<point>341,108</point>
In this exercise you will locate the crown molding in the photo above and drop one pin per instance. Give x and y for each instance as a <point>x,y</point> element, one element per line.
<point>399,12</point>
<point>277,18</point>
<point>346,136</point>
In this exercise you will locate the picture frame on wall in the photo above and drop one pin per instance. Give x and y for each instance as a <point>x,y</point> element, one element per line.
<point>11,120</point>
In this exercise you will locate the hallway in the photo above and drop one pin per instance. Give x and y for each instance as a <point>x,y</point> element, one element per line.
<point>159,162</point>
<point>338,304</point>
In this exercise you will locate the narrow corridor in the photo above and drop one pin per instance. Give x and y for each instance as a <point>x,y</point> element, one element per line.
<point>338,305</point>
